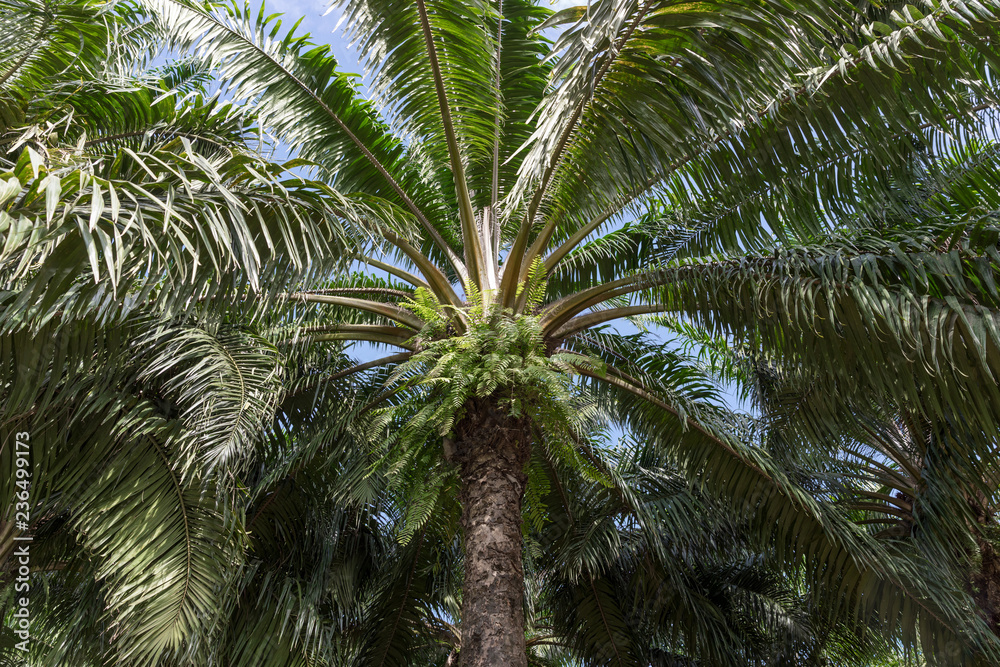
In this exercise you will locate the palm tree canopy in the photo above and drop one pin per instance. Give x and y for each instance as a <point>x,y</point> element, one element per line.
<point>495,169</point>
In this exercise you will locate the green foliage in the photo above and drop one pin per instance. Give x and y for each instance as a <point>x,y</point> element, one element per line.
<point>500,355</point>
<point>217,482</point>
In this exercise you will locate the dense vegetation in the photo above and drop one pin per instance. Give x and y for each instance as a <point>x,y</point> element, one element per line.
<point>564,255</point>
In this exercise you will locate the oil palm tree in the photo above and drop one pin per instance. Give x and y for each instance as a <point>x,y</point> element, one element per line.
<point>495,170</point>
<point>500,168</point>
<point>920,476</point>
<point>120,185</point>
<point>308,558</point>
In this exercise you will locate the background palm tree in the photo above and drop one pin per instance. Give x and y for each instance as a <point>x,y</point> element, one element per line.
<point>927,484</point>
<point>505,263</point>
<point>739,111</point>
<point>130,202</point>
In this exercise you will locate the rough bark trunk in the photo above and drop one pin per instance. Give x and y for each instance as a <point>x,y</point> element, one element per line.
<point>491,449</point>
<point>6,549</point>
<point>986,585</point>
<point>985,581</point>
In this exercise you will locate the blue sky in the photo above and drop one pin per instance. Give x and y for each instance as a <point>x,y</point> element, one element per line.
<point>324,28</point>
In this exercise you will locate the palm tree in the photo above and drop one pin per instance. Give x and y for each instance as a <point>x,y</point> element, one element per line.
<point>919,476</point>
<point>498,169</point>
<point>129,198</point>
<point>311,559</point>
<point>494,171</point>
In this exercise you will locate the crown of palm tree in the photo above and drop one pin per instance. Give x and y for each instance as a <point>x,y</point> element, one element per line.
<point>493,170</point>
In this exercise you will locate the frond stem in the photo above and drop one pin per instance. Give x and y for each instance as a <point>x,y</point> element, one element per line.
<point>358,290</point>
<point>364,333</point>
<point>187,528</point>
<point>19,63</point>
<point>395,271</point>
<point>523,264</point>
<point>604,618</point>
<point>582,322</point>
<point>391,311</point>
<point>470,233</point>
<point>557,255</point>
<point>634,386</point>
<point>406,592</point>
<point>384,361</point>
<point>439,283</point>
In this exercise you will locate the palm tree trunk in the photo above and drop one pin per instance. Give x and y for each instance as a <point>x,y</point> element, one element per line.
<point>985,580</point>
<point>986,585</point>
<point>6,547</point>
<point>491,450</point>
